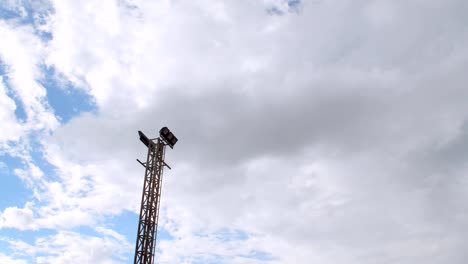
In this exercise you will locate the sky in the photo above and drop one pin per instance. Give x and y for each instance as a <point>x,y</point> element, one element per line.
<point>310,131</point>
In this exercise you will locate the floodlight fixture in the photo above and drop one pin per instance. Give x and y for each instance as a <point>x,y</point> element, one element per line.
<point>144,138</point>
<point>168,136</point>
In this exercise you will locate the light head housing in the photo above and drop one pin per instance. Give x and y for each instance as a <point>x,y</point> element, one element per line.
<point>168,136</point>
<point>144,138</point>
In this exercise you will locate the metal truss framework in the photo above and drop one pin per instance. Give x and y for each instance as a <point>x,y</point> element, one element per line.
<point>149,210</point>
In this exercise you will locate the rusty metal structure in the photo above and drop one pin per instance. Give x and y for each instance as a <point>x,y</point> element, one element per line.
<point>151,196</point>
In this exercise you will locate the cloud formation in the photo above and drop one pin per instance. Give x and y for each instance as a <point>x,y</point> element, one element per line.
<point>319,131</point>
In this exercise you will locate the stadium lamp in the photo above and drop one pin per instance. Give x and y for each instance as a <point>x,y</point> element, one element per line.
<point>144,138</point>
<point>167,136</point>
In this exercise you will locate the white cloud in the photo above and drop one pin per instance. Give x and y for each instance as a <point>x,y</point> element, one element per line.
<point>331,135</point>
<point>71,247</point>
<point>19,218</point>
<point>9,260</point>
<point>68,247</point>
<point>11,127</point>
<point>21,50</point>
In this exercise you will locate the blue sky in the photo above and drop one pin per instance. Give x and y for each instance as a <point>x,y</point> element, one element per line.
<point>309,131</point>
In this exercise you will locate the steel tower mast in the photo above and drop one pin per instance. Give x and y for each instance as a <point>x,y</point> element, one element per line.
<point>151,196</point>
